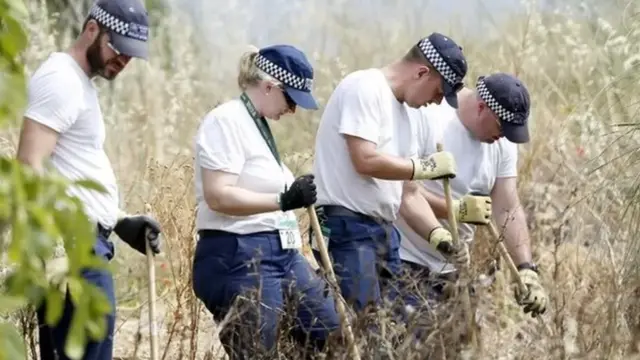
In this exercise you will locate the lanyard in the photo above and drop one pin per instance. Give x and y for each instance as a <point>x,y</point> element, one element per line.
<point>262,125</point>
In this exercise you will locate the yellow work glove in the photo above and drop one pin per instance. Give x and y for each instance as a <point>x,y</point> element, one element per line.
<point>443,241</point>
<point>436,166</point>
<point>535,301</point>
<point>473,209</point>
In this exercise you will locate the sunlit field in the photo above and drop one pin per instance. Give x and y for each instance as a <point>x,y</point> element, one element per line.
<point>578,177</point>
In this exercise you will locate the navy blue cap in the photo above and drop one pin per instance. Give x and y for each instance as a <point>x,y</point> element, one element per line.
<point>127,23</point>
<point>509,99</point>
<point>290,66</point>
<point>447,58</point>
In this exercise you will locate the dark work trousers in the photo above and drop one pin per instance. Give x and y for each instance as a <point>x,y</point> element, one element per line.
<point>364,253</point>
<point>53,339</point>
<point>230,268</point>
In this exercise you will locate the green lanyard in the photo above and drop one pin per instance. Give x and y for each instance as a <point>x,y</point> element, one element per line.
<point>262,125</point>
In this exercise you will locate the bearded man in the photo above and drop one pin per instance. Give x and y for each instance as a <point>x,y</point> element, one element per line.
<point>63,124</point>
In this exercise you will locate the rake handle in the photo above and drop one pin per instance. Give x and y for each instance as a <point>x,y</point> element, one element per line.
<point>328,267</point>
<point>151,270</point>
<point>505,255</point>
<point>453,227</point>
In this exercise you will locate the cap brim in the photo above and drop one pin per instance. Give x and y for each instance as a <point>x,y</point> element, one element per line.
<point>130,47</point>
<point>518,134</point>
<point>302,98</point>
<point>450,95</point>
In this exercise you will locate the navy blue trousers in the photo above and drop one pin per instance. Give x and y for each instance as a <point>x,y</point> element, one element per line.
<point>365,258</point>
<point>53,339</point>
<point>230,267</point>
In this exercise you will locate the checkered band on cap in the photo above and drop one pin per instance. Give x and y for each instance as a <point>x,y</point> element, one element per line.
<point>109,21</point>
<point>501,112</point>
<point>283,75</point>
<point>438,62</point>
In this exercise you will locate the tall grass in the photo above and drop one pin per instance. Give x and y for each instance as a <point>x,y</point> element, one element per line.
<point>578,176</point>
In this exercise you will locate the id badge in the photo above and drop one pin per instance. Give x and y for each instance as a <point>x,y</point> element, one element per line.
<point>289,233</point>
<point>325,236</point>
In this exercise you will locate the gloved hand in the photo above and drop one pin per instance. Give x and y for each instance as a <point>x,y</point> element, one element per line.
<point>436,166</point>
<point>302,193</point>
<point>473,209</point>
<point>443,242</point>
<point>133,231</point>
<point>535,301</point>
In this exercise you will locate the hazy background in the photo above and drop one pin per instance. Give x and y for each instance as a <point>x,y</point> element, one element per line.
<point>263,19</point>
<point>578,177</point>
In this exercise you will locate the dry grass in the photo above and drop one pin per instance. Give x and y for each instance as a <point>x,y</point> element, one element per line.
<point>577,176</point>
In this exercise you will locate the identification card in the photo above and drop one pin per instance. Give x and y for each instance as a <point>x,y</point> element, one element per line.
<point>325,236</point>
<point>289,233</point>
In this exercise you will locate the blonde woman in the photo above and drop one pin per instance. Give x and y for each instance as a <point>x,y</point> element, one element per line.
<point>249,242</point>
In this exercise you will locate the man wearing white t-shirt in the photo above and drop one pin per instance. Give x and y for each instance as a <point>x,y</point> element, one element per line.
<point>63,125</point>
<point>366,153</point>
<point>482,133</point>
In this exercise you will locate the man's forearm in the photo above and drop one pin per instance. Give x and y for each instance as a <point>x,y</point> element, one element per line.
<point>516,234</point>
<point>387,167</point>
<point>438,204</point>
<point>416,212</point>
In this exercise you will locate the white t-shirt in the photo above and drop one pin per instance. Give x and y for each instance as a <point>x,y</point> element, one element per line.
<point>62,97</point>
<point>478,166</point>
<point>362,105</point>
<point>229,140</point>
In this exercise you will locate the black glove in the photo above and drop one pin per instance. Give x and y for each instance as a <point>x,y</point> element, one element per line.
<point>133,231</point>
<point>302,193</point>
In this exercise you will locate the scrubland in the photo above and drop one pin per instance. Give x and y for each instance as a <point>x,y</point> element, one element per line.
<point>578,177</point>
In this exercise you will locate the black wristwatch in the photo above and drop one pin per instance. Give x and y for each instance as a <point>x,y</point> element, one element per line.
<point>530,266</point>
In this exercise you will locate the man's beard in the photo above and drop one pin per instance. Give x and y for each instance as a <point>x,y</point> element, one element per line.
<point>97,65</point>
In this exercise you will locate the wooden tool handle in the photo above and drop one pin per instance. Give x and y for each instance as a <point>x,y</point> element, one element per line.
<point>505,255</point>
<point>151,269</point>
<point>328,267</point>
<point>453,223</point>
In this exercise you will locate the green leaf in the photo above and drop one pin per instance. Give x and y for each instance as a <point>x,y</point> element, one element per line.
<point>11,344</point>
<point>11,303</point>
<point>97,328</point>
<point>76,339</point>
<point>90,184</point>
<point>76,290</point>
<point>55,306</point>
<point>17,8</point>
<point>14,40</point>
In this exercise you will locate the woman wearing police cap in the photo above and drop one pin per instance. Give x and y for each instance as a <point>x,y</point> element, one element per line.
<point>249,245</point>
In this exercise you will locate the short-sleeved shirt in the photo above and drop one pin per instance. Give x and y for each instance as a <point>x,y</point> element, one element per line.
<point>228,140</point>
<point>478,166</point>
<point>62,97</point>
<point>362,105</point>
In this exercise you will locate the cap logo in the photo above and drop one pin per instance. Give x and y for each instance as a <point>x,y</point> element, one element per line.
<point>137,31</point>
<point>132,30</point>
<point>434,57</point>
<point>282,75</point>
<point>494,105</point>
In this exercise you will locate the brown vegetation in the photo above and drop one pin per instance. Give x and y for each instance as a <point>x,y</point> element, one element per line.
<point>577,177</point>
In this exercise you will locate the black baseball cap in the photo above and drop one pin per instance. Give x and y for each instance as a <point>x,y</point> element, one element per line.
<point>509,99</point>
<point>127,22</point>
<point>447,58</point>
